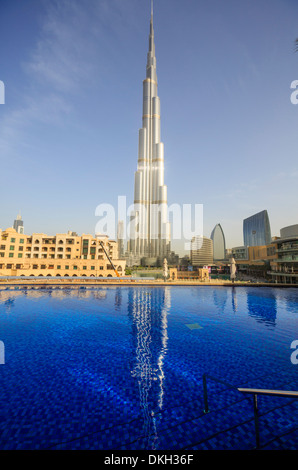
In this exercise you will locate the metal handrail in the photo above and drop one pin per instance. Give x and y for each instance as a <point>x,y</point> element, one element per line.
<point>257,391</point>
<point>252,391</point>
<point>206,406</point>
<point>276,393</point>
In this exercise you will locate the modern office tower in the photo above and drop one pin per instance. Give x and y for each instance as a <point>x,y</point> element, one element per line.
<point>150,230</point>
<point>256,229</point>
<point>18,224</point>
<point>201,253</point>
<point>219,243</point>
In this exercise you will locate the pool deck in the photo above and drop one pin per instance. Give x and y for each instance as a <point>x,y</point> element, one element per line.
<point>134,282</point>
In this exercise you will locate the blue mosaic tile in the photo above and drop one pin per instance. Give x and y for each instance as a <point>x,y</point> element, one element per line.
<point>121,367</point>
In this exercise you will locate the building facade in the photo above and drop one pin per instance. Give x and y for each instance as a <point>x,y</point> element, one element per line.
<point>284,269</point>
<point>60,255</point>
<point>256,229</point>
<point>150,230</point>
<point>219,243</point>
<point>201,253</point>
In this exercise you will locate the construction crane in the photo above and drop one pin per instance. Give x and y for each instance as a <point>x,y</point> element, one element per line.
<point>118,275</point>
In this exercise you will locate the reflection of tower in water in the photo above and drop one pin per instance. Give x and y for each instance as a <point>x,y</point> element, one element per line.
<point>148,311</point>
<point>262,307</point>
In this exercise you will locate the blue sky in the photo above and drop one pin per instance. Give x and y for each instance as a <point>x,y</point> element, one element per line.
<point>73,74</point>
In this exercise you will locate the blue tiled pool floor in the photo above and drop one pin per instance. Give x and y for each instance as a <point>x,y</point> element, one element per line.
<point>121,368</point>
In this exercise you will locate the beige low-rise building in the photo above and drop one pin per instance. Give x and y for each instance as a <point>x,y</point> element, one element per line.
<point>59,255</point>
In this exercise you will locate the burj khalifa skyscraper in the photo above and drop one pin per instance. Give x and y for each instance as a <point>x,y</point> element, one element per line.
<point>150,229</point>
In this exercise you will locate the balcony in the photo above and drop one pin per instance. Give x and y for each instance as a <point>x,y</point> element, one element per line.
<point>49,241</point>
<point>283,249</point>
<point>291,258</point>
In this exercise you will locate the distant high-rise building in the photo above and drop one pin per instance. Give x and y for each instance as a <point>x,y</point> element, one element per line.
<point>120,239</point>
<point>201,253</point>
<point>18,224</point>
<point>256,229</point>
<point>150,229</point>
<point>219,243</point>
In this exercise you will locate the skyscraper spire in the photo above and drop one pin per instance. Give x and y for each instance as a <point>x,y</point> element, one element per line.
<point>151,228</point>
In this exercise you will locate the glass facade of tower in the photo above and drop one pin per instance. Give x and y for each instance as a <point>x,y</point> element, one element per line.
<point>256,229</point>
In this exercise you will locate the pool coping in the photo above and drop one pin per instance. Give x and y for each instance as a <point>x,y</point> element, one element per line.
<point>139,282</point>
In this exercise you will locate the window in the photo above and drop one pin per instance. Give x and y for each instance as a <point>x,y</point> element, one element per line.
<point>75,267</point>
<point>92,268</point>
<point>12,240</point>
<point>21,248</point>
<point>9,266</point>
<point>67,256</point>
<point>18,266</point>
<point>21,240</point>
<point>10,255</point>
<point>85,256</point>
<point>66,267</point>
<point>92,256</point>
<point>2,255</point>
<point>11,247</point>
<point>101,268</point>
<point>59,267</point>
<point>84,268</point>
<point>2,247</point>
<point>20,255</point>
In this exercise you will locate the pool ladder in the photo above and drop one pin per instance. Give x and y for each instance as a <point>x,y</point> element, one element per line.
<point>251,391</point>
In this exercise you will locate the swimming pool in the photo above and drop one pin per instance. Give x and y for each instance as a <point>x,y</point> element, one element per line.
<point>121,367</point>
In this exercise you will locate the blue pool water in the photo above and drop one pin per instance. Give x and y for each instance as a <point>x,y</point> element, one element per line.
<point>121,367</point>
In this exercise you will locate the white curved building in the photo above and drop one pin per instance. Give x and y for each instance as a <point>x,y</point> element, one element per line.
<point>150,230</point>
